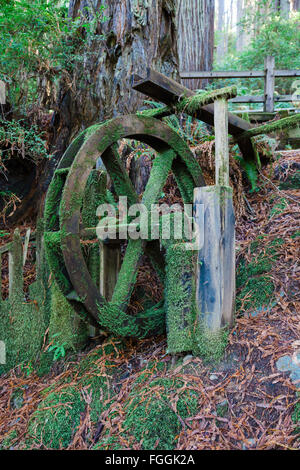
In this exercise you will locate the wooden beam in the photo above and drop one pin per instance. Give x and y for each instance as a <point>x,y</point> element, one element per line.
<point>221,143</point>
<point>2,92</point>
<point>224,74</point>
<point>261,99</point>
<point>269,84</point>
<point>166,90</point>
<point>238,74</point>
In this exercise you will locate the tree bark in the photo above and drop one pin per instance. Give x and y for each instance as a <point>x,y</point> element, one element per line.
<point>195,23</point>
<point>295,5</point>
<point>220,26</point>
<point>240,33</point>
<point>285,8</point>
<point>138,34</point>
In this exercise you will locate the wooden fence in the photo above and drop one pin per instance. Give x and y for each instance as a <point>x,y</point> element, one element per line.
<point>269,74</point>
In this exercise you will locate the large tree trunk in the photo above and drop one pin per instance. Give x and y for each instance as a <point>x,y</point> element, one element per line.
<point>295,5</point>
<point>285,8</point>
<point>195,19</point>
<point>138,34</point>
<point>221,27</point>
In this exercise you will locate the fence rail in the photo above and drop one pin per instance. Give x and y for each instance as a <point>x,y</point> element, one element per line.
<point>269,74</point>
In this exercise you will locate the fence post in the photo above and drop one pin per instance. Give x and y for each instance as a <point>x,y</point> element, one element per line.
<point>110,263</point>
<point>2,92</point>
<point>269,84</point>
<point>15,268</point>
<point>215,288</point>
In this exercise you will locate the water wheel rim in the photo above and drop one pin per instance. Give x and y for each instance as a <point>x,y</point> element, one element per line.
<point>163,139</point>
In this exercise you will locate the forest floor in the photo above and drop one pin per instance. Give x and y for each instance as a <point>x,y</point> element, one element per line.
<point>134,395</point>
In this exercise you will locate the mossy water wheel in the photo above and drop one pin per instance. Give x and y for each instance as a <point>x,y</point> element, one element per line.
<point>63,217</point>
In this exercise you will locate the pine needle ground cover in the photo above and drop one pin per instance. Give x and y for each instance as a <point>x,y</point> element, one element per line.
<point>134,395</point>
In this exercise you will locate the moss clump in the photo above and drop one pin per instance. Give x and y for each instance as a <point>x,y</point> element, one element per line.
<point>156,112</point>
<point>65,326</point>
<point>56,419</point>
<point>257,292</point>
<point>256,288</point>
<point>8,441</point>
<point>193,103</point>
<point>154,413</point>
<point>210,345</point>
<point>292,182</point>
<point>180,298</point>
<point>296,416</point>
<point>275,126</point>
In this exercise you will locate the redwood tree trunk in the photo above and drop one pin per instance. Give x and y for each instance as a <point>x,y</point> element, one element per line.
<point>195,19</point>
<point>138,34</point>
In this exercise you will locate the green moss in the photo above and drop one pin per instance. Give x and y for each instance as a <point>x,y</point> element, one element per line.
<point>22,324</point>
<point>210,345</point>
<point>8,441</point>
<point>180,297</point>
<point>296,416</point>
<point>193,103</point>
<point>65,326</point>
<point>257,292</point>
<point>292,182</point>
<point>275,126</point>
<point>156,112</point>
<point>152,414</point>
<point>255,287</point>
<point>55,421</point>
<point>296,234</point>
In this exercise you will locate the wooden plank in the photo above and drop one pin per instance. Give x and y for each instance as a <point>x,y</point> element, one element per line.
<point>15,267</point>
<point>287,73</point>
<point>221,143</point>
<point>215,279</point>
<point>223,74</point>
<point>269,84</point>
<point>166,90</point>
<point>2,92</point>
<point>238,74</point>
<point>110,263</point>
<point>261,99</point>
<point>26,243</point>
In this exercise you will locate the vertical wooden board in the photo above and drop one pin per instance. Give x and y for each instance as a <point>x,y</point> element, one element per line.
<point>215,289</point>
<point>269,84</point>
<point>15,268</point>
<point>2,92</point>
<point>221,142</point>
<point>110,263</point>
<point>26,243</point>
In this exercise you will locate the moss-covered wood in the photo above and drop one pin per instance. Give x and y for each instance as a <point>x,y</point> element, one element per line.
<point>77,284</point>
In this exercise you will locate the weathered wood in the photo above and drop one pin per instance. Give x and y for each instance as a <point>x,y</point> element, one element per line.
<point>223,74</point>
<point>26,243</point>
<point>269,84</point>
<point>15,267</point>
<point>168,91</point>
<point>221,143</point>
<point>110,263</point>
<point>215,283</point>
<point>2,92</point>
<point>261,99</point>
<point>238,74</point>
<point>195,36</point>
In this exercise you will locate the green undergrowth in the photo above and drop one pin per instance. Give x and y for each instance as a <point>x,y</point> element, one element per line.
<point>88,389</point>
<point>254,284</point>
<point>292,182</point>
<point>155,410</point>
<point>296,416</point>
